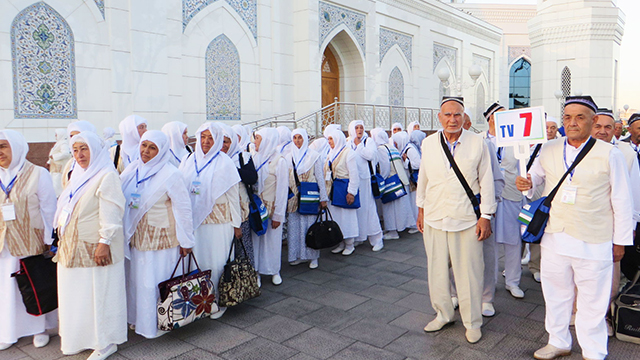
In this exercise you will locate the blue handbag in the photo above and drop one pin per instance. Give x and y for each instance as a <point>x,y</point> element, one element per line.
<point>258,215</point>
<point>308,195</point>
<point>535,215</point>
<point>339,195</point>
<point>393,189</point>
<point>377,182</point>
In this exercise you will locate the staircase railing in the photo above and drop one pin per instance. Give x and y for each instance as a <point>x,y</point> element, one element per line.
<point>342,113</point>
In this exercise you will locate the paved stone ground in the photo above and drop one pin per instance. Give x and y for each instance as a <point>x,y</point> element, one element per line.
<point>366,306</point>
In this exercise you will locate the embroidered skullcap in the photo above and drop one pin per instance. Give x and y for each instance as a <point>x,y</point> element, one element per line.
<point>635,117</point>
<point>584,100</point>
<point>605,112</point>
<point>459,100</point>
<point>491,110</point>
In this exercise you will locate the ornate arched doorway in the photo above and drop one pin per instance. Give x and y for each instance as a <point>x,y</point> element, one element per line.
<point>330,78</point>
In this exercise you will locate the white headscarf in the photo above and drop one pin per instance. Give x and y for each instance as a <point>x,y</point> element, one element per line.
<point>61,134</point>
<point>130,150</point>
<point>339,142</point>
<point>401,140</point>
<point>380,136</point>
<point>234,150</point>
<point>174,131</point>
<point>108,133</point>
<point>396,126</point>
<point>266,152</point>
<point>80,126</point>
<point>330,127</point>
<point>353,135</point>
<point>217,173</point>
<point>82,179</point>
<point>416,138</point>
<point>61,145</point>
<point>149,180</point>
<point>284,146</point>
<point>19,150</point>
<point>245,137</point>
<point>304,157</point>
<point>321,145</point>
<point>411,126</point>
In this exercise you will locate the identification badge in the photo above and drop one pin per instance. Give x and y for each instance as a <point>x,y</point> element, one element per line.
<point>328,176</point>
<point>134,203</point>
<point>195,187</point>
<point>65,213</point>
<point>569,194</point>
<point>8,212</point>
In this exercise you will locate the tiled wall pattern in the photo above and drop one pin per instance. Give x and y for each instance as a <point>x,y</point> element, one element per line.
<point>396,88</point>
<point>223,80</point>
<point>388,38</point>
<point>247,9</point>
<point>331,16</point>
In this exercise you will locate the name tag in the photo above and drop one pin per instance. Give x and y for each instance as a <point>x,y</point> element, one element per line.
<point>328,176</point>
<point>8,212</point>
<point>569,194</point>
<point>134,203</point>
<point>195,187</point>
<point>64,216</point>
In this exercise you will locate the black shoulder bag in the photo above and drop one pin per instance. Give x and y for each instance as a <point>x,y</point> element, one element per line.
<point>116,158</point>
<point>475,199</point>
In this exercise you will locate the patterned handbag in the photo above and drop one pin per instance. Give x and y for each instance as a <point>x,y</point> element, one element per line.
<point>239,281</point>
<point>185,298</point>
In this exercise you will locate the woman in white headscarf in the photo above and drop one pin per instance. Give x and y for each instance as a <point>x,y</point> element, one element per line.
<point>131,129</point>
<point>307,165</point>
<point>58,157</point>
<point>411,160</point>
<point>73,129</point>
<point>272,188</point>
<point>396,127</point>
<point>213,181</point>
<point>321,145</point>
<point>108,134</point>
<point>341,164</point>
<point>91,278</point>
<point>158,228</point>
<point>25,224</point>
<point>414,125</point>
<point>238,141</point>
<point>176,131</point>
<point>397,214</point>
<point>284,147</point>
<point>366,158</point>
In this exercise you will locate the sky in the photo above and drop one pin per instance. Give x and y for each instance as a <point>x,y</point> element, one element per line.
<point>629,72</point>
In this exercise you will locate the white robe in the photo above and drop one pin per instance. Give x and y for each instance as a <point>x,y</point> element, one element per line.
<point>399,214</point>
<point>368,220</point>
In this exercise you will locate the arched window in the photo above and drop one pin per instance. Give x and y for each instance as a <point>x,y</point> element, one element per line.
<point>44,73</point>
<point>520,84</point>
<point>223,80</point>
<point>565,84</point>
<point>396,88</point>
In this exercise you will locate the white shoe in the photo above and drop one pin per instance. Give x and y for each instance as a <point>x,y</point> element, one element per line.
<point>40,340</point>
<point>259,281</point>
<point>338,249</point>
<point>454,302</point>
<point>104,353</point>
<point>515,291</point>
<point>5,346</point>
<point>473,335</point>
<point>525,259</point>
<point>347,252</point>
<point>132,327</point>
<point>297,262</point>
<point>276,279</point>
<point>413,231</point>
<point>313,264</point>
<point>504,273</point>
<point>218,314</point>
<point>550,352</point>
<point>488,310</point>
<point>378,247</point>
<point>536,276</point>
<point>435,325</point>
<point>391,235</point>
<point>159,333</point>
<point>609,328</point>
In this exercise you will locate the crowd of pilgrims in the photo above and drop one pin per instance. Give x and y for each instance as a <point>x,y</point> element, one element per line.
<point>125,213</point>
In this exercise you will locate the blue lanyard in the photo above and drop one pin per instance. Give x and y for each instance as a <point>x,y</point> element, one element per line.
<point>334,158</point>
<point>499,154</point>
<point>7,189</point>
<point>284,146</point>
<point>138,182</point>
<point>72,193</point>
<point>174,155</point>
<point>195,161</point>
<point>235,153</point>
<point>564,155</point>
<point>261,165</point>
<point>302,158</point>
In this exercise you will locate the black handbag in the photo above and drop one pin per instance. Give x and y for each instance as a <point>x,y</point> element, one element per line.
<point>38,284</point>
<point>324,233</point>
<point>239,280</point>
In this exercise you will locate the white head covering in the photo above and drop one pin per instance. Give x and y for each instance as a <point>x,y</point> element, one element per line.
<point>303,157</point>
<point>149,180</point>
<point>80,126</point>
<point>552,119</point>
<point>174,131</point>
<point>411,126</point>
<point>108,133</point>
<point>245,138</point>
<point>234,149</point>
<point>401,140</point>
<point>285,140</point>
<point>265,153</point>
<point>130,138</point>
<point>339,142</point>
<point>217,173</point>
<point>396,126</point>
<point>352,132</point>
<point>380,136</point>
<point>19,150</point>
<point>82,179</point>
<point>61,134</point>
<point>331,127</point>
<point>416,138</point>
<point>321,145</point>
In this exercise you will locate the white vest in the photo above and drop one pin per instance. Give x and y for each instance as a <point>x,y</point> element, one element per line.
<point>590,219</point>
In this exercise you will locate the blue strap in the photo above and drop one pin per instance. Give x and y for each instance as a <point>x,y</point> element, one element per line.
<point>302,158</point>
<point>7,189</point>
<point>195,161</point>
<point>138,182</point>
<point>174,155</point>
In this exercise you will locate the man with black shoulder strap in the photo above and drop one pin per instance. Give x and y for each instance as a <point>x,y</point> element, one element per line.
<point>451,220</point>
<point>589,224</point>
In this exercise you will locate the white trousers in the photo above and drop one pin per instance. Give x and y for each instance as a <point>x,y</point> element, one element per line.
<point>464,252</point>
<point>512,264</point>
<point>561,275</point>
<point>490,256</point>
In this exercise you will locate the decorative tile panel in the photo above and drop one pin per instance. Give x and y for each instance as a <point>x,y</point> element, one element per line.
<point>440,52</point>
<point>44,73</point>
<point>100,5</point>
<point>223,80</point>
<point>388,38</point>
<point>517,51</point>
<point>332,16</point>
<point>484,63</point>
<point>247,9</point>
<point>396,88</point>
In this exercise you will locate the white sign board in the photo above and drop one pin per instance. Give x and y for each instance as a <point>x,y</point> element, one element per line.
<point>520,126</point>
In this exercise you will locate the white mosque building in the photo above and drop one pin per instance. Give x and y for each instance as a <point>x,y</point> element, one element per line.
<point>246,60</point>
